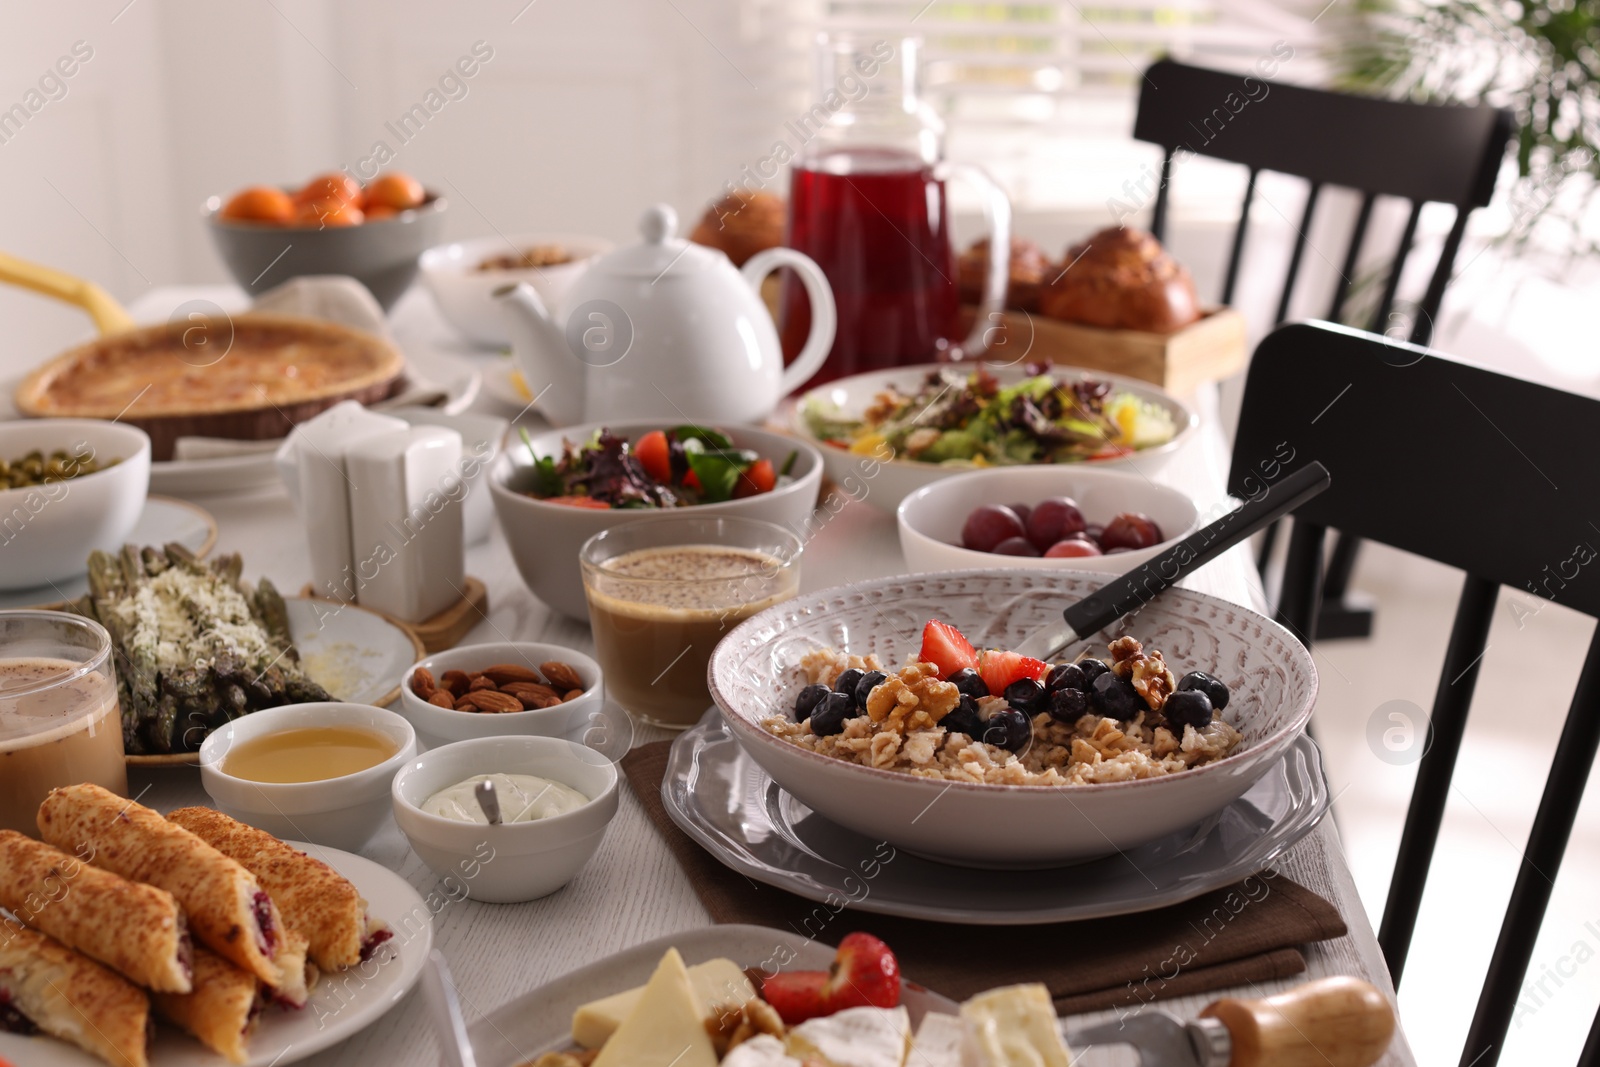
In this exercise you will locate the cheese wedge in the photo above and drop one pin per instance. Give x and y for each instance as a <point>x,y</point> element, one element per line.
<point>855,1037</point>
<point>666,1028</point>
<point>763,1050</point>
<point>1013,1026</point>
<point>938,1041</point>
<point>716,983</point>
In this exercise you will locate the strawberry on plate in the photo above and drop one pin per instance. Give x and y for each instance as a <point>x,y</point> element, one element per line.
<point>947,648</point>
<point>864,974</point>
<point>999,669</point>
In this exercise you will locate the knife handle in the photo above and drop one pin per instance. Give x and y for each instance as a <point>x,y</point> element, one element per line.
<point>1139,586</point>
<point>1329,1022</point>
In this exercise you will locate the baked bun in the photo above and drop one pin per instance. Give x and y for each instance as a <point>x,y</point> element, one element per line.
<point>741,224</point>
<point>1122,279</point>
<point>1030,269</point>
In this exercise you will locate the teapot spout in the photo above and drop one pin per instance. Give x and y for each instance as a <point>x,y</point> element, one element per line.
<point>553,375</point>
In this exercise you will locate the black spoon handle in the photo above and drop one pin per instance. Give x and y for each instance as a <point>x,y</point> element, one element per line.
<point>1139,586</point>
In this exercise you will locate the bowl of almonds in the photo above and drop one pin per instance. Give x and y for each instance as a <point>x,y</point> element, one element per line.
<point>492,690</point>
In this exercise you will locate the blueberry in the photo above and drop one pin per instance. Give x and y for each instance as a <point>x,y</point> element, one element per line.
<point>1067,676</point>
<point>1069,705</point>
<point>1200,681</point>
<point>1115,698</point>
<point>1187,707</point>
<point>1092,669</point>
<point>829,716</point>
<point>807,701</point>
<point>969,682</point>
<point>847,681</point>
<point>1026,695</point>
<point>963,718</point>
<point>869,681</point>
<point>1009,729</point>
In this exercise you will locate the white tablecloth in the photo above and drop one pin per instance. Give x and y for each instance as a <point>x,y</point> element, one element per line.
<point>633,890</point>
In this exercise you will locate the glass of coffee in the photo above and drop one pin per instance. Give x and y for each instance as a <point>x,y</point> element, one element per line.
<point>59,720</point>
<point>662,592</point>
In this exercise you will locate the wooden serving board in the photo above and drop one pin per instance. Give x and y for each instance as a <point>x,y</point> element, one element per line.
<point>1211,349</point>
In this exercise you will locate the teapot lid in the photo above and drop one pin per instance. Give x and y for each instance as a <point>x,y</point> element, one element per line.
<point>662,254</point>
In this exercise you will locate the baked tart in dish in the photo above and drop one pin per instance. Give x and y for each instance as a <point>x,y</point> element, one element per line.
<point>252,377</point>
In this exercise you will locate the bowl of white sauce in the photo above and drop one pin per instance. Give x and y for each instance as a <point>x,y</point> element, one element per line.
<point>556,798</point>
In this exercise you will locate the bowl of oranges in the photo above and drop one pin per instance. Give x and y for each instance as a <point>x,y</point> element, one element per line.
<point>331,225</point>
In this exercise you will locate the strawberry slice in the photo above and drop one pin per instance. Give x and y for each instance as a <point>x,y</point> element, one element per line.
<point>999,669</point>
<point>945,647</point>
<point>864,974</point>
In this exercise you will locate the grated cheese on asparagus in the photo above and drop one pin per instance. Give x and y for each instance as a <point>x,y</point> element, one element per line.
<point>189,619</point>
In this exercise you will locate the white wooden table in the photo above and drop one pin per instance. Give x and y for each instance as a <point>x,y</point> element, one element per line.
<point>633,890</point>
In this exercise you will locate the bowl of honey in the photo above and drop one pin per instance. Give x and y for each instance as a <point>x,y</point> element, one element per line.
<point>309,772</point>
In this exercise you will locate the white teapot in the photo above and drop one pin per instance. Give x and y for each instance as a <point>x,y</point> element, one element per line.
<point>665,329</point>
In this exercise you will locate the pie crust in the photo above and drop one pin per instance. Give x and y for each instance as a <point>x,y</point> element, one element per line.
<point>252,377</point>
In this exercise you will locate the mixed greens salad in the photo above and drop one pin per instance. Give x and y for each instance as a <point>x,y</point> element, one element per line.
<point>680,467</point>
<point>967,418</point>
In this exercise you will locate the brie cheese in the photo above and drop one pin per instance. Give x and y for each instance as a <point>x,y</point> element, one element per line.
<point>855,1037</point>
<point>938,1041</point>
<point>763,1050</point>
<point>1013,1026</point>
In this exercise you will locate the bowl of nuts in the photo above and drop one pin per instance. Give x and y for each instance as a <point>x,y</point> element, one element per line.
<point>493,690</point>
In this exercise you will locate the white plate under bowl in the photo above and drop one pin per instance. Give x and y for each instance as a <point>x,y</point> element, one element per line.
<point>342,1005</point>
<point>163,521</point>
<point>885,484</point>
<point>755,673</point>
<point>540,1020</point>
<point>723,799</point>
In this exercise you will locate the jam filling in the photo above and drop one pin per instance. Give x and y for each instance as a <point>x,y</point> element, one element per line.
<point>267,931</point>
<point>12,1020</point>
<point>370,947</point>
<point>185,948</point>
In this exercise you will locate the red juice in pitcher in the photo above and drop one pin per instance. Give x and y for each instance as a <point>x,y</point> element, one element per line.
<point>876,222</point>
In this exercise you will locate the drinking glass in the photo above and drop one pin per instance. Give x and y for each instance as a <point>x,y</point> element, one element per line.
<point>661,594</point>
<point>59,720</point>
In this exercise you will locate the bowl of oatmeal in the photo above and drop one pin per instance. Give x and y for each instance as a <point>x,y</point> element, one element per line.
<point>902,768</point>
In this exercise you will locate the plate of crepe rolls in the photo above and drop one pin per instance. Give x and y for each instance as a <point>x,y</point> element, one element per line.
<point>191,940</point>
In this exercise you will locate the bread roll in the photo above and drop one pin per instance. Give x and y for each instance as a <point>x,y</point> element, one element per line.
<point>1122,279</point>
<point>741,224</point>
<point>1029,271</point>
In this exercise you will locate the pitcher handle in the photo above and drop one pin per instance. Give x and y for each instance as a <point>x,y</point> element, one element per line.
<point>997,214</point>
<point>819,342</point>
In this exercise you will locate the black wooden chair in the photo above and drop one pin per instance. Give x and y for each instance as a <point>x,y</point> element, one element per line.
<point>1422,153</point>
<point>1412,439</point>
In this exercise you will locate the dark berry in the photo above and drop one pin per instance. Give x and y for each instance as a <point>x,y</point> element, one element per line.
<point>1187,707</point>
<point>1015,546</point>
<point>969,682</point>
<point>988,526</point>
<point>1202,682</point>
<point>1130,530</point>
<point>1115,698</point>
<point>1069,705</point>
<point>1009,729</point>
<point>847,681</point>
<point>807,701</point>
<point>1026,695</point>
<point>1067,676</point>
<point>829,716</point>
<point>1092,669</point>
<point>963,718</point>
<point>869,681</point>
<point>1023,511</point>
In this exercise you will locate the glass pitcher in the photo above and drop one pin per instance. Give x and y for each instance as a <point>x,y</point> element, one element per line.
<point>867,203</point>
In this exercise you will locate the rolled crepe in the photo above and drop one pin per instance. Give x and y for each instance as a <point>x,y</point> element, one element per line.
<point>69,996</point>
<point>228,912</point>
<point>295,974</point>
<point>223,1009</point>
<point>313,898</point>
<point>133,928</point>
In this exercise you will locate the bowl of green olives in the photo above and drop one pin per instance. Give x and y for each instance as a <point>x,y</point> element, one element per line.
<point>67,487</point>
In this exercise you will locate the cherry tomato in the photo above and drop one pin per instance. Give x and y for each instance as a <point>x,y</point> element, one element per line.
<point>578,502</point>
<point>655,456</point>
<point>759,478</point>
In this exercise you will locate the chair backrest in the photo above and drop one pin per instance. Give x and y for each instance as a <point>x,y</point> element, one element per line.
<point>1422,153</point>
<point>1475,469</point>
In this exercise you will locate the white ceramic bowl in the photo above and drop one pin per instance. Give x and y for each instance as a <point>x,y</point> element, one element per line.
<point>341,812</point>
<point>464,294</point>
<point>511,862</point>
<point>755,674</point>
<point>438,726</point>
<point>48,531</point>
<point>480,443</point>
<point>886,483</point>
<point>931,517</point>
<point>545,538</point>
